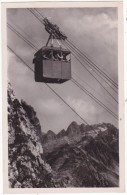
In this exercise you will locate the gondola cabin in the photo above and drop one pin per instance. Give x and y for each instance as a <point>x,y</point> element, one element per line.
<point>52,65</point>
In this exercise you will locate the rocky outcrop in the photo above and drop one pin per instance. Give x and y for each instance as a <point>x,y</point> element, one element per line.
<point>27,168</point>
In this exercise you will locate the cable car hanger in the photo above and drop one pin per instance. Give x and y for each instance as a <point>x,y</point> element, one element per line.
<point>53,29</point>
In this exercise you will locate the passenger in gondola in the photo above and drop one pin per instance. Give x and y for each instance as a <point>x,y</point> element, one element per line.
<point>60,56</point>
<point>64,57</point>
<point>55,57</point>
<point>45,57</point>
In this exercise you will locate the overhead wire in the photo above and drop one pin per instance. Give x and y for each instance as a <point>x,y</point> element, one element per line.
<point>28,42</point>
<point>93,64</point>
<point>17,26</point>
<point>93,61</point>
<point>89,62</point>
<point>22,37</point>
<point>94,98</point>
<point>96,79</point>
<point>95,70</point>
<point>91,88</point>
<point>74,54</point>
<point>35,14</point>
<point>39,13</point>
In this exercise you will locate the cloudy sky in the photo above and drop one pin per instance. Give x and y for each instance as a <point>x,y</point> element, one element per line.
<point>94,31</point>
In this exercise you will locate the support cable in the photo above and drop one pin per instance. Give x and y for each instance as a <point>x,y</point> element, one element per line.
<point>93,89</point>
<point>39,13</point>
<point>93,64</point>
<point>22,37</point>
<point>74,54</point>
<point>96,71</point>
<point>83,55</point>
<point>59,45</point>
<point>94,98</point>
<point>99,81</point>
<point>35,14</point>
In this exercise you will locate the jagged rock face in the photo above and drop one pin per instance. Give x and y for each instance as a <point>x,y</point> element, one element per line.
<point>26,167</point>
<point>91,160</point>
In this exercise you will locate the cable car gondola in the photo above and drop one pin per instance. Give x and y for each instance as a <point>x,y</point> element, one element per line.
<point>52,64</point>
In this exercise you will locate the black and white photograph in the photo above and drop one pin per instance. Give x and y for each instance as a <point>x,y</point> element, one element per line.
<point>63,97</point>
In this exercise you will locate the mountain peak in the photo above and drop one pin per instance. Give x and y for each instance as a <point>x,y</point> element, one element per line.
<point>49,136</point>
<point>74,123</point>
<point>61,134</point>
<point>73,129</point>
<point>50,132</point>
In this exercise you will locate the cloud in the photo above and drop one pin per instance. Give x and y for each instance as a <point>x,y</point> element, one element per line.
<point>96,34</point>
<point>81,106</point>
<point>15,66</point>
<point>93,26</point>
<point>51,107</point>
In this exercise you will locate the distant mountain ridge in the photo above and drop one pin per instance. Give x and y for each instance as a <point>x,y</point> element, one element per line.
<point>74,129</point>
<point>73,134</point>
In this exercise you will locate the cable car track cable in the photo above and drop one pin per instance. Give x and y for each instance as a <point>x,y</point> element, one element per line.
<point>39,13</point>
<point>94,65</point>
<point>94,98</point>
<point>22,37</point>
<point>16,26</point>
<point>87,62</point>
<point>28,42</point>
<point>74,54</point>
<point>90,87</point>
<point>102,85</point>
<point>35,14</point>
<point>83,55</point>
<point>92,61</point>
<point>36,50</point>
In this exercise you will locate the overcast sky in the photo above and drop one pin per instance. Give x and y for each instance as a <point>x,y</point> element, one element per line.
<point>94,31</point>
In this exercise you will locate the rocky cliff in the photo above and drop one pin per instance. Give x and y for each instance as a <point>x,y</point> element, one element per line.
<point>26,167</point>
